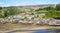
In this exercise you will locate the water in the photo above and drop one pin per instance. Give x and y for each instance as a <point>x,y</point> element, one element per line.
<point>37,31</point>
<point>48,31</point>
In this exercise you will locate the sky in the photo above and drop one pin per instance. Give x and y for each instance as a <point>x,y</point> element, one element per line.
<point>5,3</point>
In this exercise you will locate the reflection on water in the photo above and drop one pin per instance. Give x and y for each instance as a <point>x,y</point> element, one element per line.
<point>48,31</point>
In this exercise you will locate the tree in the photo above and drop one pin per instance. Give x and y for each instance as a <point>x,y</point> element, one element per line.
<point>5,13</point>
<point>0,8</point>
<point>12,11</point>
<point>58,7</point>
<point>49,8</point>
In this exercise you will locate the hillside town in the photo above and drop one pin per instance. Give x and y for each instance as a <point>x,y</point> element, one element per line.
<point>29,16</point>
<point>30,19</point>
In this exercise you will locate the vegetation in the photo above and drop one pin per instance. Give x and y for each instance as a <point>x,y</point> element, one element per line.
<point>58,7</point>
<point>49,11</point>
<point>7,11</point>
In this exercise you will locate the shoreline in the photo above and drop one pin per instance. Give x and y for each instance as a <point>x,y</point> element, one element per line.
<point>40,27</point>
<point>35,28</point>
<point>29,27</point>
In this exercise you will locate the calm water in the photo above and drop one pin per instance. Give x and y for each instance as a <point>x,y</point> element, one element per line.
<point>48,31</point>
<point>37,31</point>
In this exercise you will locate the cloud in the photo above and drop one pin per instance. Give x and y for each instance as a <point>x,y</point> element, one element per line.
<point>47,2</point>
<point>15,4</point>
<point>4,5</point>
<point>19,4</point>
<point>23,3</point>
<point>1,3</point>
<point>26,3</point>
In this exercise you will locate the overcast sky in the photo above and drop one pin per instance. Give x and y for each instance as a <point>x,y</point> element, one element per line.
<point>26,2</point>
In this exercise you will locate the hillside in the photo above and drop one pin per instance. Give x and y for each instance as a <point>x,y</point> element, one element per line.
<point>14,10</point>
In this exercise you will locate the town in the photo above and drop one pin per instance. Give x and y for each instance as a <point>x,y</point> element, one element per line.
<point>32,17</point>
<point>29,19</point>
<point>45,14</point>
